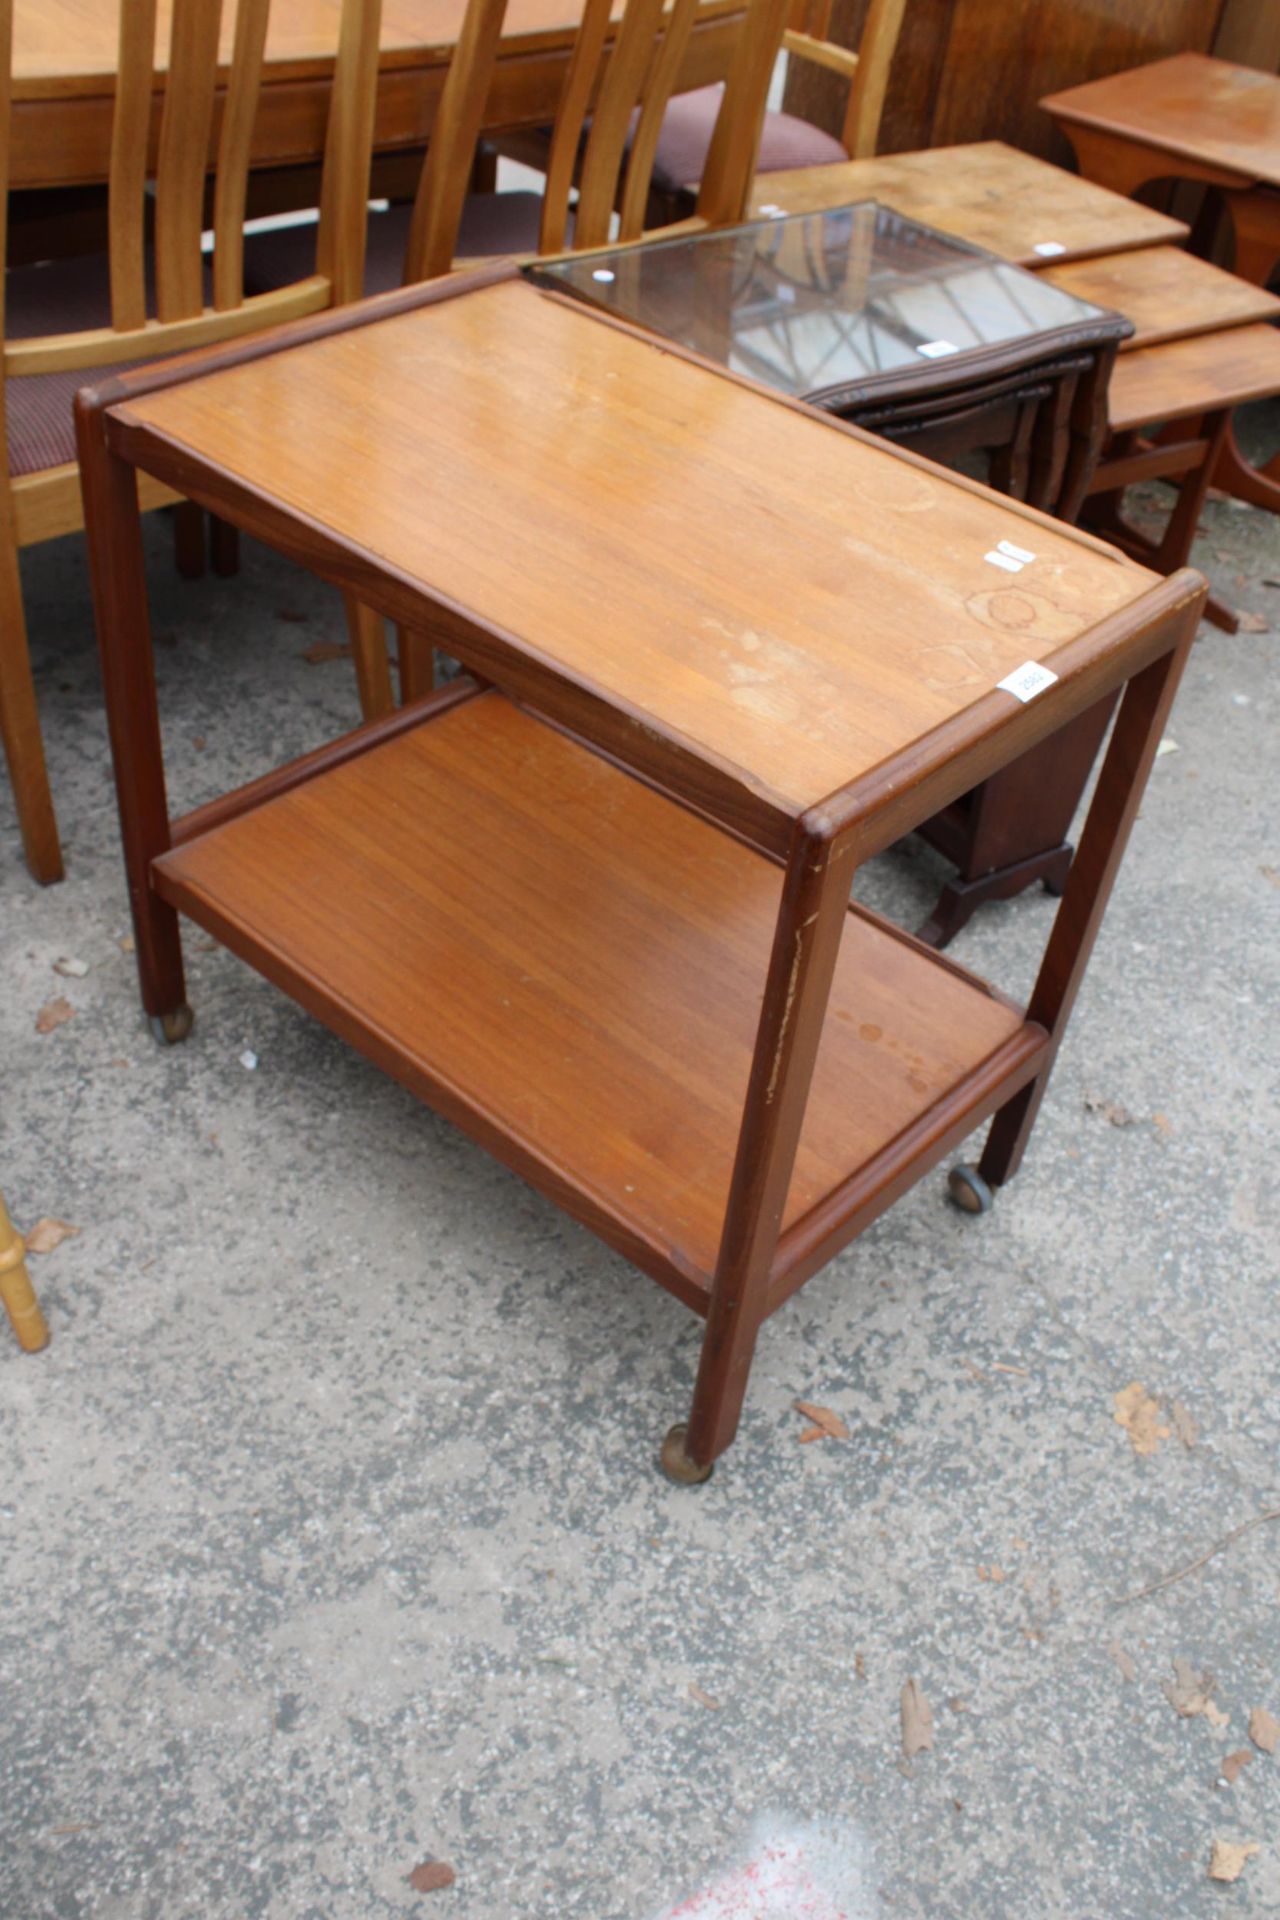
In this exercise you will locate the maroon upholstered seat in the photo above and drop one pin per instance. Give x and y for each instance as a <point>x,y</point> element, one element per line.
<point>57,296</point>
<point>685,139</point>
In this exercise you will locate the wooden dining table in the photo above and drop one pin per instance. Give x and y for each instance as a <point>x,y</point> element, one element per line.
<point>64,57</point>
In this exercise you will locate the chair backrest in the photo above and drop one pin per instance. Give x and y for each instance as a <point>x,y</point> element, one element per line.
<point>615,92</point>
<point>205,125</point>
<point>866,70</point>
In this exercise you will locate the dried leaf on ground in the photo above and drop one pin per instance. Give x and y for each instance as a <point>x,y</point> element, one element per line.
<point>54,1013</point>
<point>826,1424</point>
<point>1264,1730</point>
<point>315,656</point>
<point>1226,1861</point>
<point>1162,1124</point>
<point>70,969</point>
<point>1123,1660</point>
<point>125,943</point>
<point>703,1699</point>
<point>1191,1694</point>
<point>917,1721</point>
<point>1272,874</point>
<point>431,1876</point>
<point>1139,1414</point>
<point>1252,622</point>
<point>1234,1765</point>
<point>1184,1425</point>
<point>49,1233</point>
<point>1111,1110</point>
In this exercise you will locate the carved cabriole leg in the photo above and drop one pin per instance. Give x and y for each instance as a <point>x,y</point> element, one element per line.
<point>16,1291</point>
<point>368,632</point>
<point>1143,712</point>
<point>20,724</point>
<point>113,530</point>
<point>811,915</point>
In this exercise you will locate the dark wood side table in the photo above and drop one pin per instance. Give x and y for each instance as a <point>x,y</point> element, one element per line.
<point>593,904</point>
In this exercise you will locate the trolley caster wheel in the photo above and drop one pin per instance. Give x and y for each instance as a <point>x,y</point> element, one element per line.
<point>167,1029</point>
<point>967,1190</point>
<point>676,1463</point>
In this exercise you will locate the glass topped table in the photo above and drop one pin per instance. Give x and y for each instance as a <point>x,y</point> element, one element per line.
<point>924,339</point>
<point>840,307</point>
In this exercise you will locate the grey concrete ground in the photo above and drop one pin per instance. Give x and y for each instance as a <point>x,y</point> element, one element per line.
<point>332,1541</point>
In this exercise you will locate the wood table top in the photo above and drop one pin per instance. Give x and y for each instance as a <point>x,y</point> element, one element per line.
<point>1189,106</point>
<point>68,47</point>
<point>758,589</point>
<point>1168,293</point>
<point>1008,202</point>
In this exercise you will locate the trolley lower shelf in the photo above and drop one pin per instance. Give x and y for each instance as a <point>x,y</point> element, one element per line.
<point>570,966</point>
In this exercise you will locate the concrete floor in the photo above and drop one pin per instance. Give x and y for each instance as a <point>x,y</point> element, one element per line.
<point>331,1538</point>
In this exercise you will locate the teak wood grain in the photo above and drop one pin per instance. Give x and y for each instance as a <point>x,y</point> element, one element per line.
<point>65,61</point>
<point>1186,378</point>
<point>701,1052</point>
<point>1189,114</point>
<point>564,454</point>
<point>1167,293</point>
<point>987,193</point>
<point>603,1021</point>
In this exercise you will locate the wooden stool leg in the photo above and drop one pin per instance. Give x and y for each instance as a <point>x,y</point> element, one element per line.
<point>188,540</point>
<point>20,728</point>
<point>368,632</point>
<point>16,1291</point>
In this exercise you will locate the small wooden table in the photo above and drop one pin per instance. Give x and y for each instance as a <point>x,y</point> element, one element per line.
<point>1012,204</point>
<point>1192,118</point>
<point>593,905</point>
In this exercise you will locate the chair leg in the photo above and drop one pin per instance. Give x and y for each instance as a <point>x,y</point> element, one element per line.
<point>188,540</point>
<point>368,632</point>
<point>417,664</point>
<point>224,547</point>
<point>16,1291</point>
<point>20,729</point>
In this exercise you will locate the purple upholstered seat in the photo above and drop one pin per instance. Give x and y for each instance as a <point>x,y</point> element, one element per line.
<point>685,139</point>
<point>57,296</point>
<point>492,223</point>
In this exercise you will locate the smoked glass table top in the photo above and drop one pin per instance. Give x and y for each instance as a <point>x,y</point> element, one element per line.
<point>831,305</point>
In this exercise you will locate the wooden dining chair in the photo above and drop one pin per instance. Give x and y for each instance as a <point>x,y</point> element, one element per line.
<point>155,292</point>
<point>17,1295</point>
<point>787,141</point>
<point>617,85</point>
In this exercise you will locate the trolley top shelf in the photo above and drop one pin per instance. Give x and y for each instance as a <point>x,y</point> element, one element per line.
<point>765,610</point>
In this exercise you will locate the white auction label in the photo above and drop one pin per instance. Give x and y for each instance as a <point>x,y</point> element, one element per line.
<point>1021,554</point>
<point>1026,681</point>
<point>1048,248</point>
<point>934,349</point>
<point>1005,561</point>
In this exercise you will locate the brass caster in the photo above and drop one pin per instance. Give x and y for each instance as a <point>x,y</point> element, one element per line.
<point>967,1190</point>
<point>168,1028</point>
<point>677,1465</point>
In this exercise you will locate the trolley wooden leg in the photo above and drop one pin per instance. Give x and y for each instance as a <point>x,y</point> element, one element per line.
<point>16,1291</point>
<point>113,529</point>
<point>1140,723</point>
<point>815,900</point>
